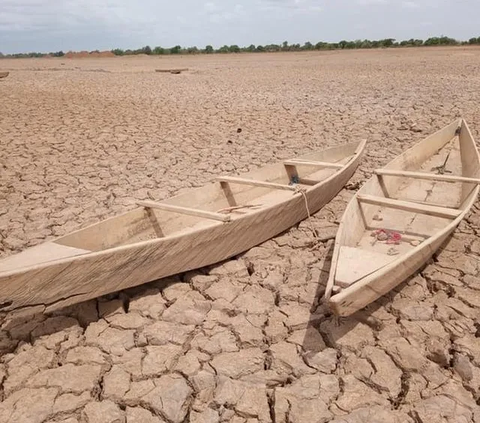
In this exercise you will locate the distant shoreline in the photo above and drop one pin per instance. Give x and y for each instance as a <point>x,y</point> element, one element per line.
<point>387,43</point>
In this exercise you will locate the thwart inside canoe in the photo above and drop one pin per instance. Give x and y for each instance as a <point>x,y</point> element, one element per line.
<point>216,198</point>
<point>393,214</point>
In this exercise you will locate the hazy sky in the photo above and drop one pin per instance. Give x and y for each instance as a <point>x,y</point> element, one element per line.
<point>51,25</point>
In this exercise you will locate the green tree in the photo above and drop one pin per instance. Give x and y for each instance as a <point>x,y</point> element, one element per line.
<point>358,43</point>
<point>432,41</point>
<point>448,41</point>
<point>234,49</point>
<point>158,50</point>
<point>273,47</point>
<point>322,46</point>
<point>366,44</point>
<point>224,49</point>
<point>209,49</point>
<point>308,46</point>
<point>147,50</point>
<point>411,43</point>
<point>285,46</point>
<point>440,41</point>
<point>251,48</point>
<point>387,42</point>
<point>175,50</point>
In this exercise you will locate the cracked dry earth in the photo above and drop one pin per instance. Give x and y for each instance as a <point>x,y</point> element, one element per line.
<point>248,340</point>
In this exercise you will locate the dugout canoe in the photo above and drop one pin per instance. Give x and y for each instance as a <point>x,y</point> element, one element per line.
<point>401,216</point>
<point>201,227</point>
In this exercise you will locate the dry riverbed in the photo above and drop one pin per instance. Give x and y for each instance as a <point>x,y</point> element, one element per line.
<point>248,340</point>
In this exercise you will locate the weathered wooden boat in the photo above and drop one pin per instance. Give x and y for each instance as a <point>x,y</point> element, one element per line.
<point>201,227</point>
<point>401,216</point>
<point>174,71</point>
<point>4,74</point>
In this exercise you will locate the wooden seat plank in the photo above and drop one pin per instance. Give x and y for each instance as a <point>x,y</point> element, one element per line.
<point>410,206</point>
<point>256,183</point>
<point>185,210</point>
<point>299,162</point>
<point>427,176</point>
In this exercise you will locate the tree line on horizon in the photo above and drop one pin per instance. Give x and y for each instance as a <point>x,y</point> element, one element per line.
<point>270,48</point>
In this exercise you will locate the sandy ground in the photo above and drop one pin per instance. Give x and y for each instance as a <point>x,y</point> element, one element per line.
<point>247,340</point>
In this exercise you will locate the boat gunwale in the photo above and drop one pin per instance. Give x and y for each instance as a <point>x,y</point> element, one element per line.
<point>368,280</point>
<point>361,144</point>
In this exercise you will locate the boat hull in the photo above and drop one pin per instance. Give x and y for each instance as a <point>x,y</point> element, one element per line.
<point>48,287</point>
<point>355,295</point>
<point>380,283</point>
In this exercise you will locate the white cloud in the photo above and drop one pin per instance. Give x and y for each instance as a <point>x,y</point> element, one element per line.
<point>291,6</point>
<point>32,15</point>
<point>371,2</point>
<point>49,25</point>
<point>410,4</point>
<point>26,15</point>
<point>210,7</point>
<point>225,13</point>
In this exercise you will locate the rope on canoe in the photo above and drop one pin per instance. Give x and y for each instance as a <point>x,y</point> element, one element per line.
<point>303,191</point>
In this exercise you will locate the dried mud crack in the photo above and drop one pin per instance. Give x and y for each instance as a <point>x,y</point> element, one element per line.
<point>248,340</point>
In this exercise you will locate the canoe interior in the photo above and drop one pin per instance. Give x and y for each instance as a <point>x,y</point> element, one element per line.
<point>143,224</point>
<point>360,253</point>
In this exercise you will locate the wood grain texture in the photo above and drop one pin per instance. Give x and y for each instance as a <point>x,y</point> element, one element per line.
<point>409,206</point>
<point>184,210</point>
<point>462,158</point>
<point>427,176</point>
<point>126,250</point>
<point>263,184</point>
<point>358,263</point>
<point>314,164</point>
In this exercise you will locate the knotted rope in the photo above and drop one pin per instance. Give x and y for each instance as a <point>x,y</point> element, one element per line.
<point>303,191</point>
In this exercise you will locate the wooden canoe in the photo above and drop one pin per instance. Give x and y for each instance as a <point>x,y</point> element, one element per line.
<point>182,233</point>
<point>4,74</point>
<point>172,71</point>
<point>401,216</point>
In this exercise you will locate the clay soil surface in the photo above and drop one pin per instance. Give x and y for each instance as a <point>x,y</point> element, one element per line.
<point>247,340</point>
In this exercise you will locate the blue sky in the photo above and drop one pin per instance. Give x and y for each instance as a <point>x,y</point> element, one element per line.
<point>51,25</point>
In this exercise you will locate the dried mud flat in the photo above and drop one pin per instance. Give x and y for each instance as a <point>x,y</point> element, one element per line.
<point>247,340</point>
